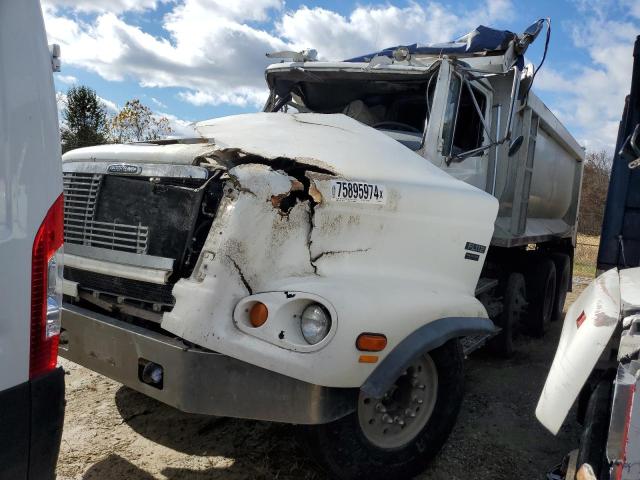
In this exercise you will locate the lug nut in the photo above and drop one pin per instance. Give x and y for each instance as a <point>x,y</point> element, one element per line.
<point>380,408</point>
<point>399,421</point>
<point>387,418</point>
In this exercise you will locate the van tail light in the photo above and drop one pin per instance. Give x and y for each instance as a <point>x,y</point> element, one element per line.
<point>46,291</point>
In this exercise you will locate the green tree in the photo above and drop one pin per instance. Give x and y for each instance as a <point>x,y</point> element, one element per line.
<point>84,119</point>
<point>137,123</point>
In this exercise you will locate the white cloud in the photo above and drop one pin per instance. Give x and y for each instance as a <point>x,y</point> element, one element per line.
<point>590,98</point>
<point>215,50</point>
<point>180,127</point>
<point>370,28</point>
<point>239,98</point>
<point>158,103</point>
<point>67,79</point>
<point>109,105</point>
<point>632,6</point>
<point>115,6</point>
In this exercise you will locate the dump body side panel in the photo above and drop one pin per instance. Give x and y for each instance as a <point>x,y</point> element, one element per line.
<point>620,238</point>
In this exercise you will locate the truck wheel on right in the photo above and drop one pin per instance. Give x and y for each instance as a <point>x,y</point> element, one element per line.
<point>397,436</point>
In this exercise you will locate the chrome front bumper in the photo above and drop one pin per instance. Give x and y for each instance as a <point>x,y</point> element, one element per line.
<point>195,380</point>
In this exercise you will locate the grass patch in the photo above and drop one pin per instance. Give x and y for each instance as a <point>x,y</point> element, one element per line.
<point>586,255</point>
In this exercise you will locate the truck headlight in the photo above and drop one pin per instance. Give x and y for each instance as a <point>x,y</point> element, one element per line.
<point>315,323</point>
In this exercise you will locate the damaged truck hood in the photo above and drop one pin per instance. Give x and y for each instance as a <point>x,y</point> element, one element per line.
<point>332,142</point>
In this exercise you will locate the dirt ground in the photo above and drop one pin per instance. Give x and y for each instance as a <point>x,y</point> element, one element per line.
<point>114,433</point>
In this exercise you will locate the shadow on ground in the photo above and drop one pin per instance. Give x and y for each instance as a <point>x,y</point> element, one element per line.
<point>265,449</point>
<point>113,467</point>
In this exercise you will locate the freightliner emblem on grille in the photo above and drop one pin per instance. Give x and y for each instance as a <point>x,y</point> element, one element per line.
<point>124,169</point>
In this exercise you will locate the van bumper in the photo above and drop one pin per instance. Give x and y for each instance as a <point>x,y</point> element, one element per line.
<point>195,380</point>
<point>31,418</point>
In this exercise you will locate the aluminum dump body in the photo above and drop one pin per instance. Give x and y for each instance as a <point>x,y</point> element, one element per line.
<point>539,187</point>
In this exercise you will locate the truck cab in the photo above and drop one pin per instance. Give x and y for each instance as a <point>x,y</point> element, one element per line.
<point>333,257</point>
<point>31,237</point>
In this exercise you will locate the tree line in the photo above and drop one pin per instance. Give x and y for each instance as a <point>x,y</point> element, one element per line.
<point>595,184</point>
<point>85,121</point>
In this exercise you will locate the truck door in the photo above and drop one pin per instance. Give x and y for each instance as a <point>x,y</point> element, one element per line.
<point>462,128</point>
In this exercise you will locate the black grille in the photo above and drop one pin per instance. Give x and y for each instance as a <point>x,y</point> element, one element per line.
<point>81,192</point>
<point>131,289</point>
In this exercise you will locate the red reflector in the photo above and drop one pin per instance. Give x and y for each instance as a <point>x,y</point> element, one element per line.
<point>43,354</point>
<point>580,320</point>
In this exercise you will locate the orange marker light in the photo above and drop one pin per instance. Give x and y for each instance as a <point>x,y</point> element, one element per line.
<point>371,342</point>
<point>258,314</point>
<point>368,359</point>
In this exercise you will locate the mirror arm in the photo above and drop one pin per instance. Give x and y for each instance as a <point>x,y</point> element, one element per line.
<point>478,110</point>
<point>515,91</point>
<point>470,153</point>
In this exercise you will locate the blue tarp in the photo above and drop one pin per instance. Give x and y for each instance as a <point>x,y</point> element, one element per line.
<point>481,40</point>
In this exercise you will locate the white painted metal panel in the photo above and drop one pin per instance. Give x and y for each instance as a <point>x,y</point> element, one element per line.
<point>30,171</point>
<point>588,327</point>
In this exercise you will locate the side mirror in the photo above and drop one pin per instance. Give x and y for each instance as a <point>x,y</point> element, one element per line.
<point>515,145</point>
<point>631,150</point>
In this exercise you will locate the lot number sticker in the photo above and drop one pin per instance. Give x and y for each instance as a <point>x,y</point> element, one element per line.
<point>358,192</point>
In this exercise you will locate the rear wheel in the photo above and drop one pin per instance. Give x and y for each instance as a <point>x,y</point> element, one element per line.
<point>563,277</point>
<point>541,289</point>
<point>396,436</point>
<point>514,308</point>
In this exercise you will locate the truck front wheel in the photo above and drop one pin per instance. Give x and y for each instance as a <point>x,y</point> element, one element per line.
<point>396,436</point>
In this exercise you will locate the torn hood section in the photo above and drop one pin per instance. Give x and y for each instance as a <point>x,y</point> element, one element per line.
<point>588,326</point>
<point>329,143</point>
<point>332,142</point>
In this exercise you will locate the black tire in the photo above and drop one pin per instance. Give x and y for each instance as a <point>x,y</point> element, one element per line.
<point>563,277</point>
<point>541,290</point>
<point>344,452</point>
<point>593,441</point>
<point>513,313</point>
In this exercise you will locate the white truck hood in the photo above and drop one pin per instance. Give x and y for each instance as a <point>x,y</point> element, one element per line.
<point>588,326</point>
<point>333,142</point>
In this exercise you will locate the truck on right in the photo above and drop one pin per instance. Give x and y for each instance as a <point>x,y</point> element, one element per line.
<point>597,361</point>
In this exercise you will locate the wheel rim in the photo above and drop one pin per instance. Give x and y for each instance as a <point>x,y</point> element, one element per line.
<point>405,409</point>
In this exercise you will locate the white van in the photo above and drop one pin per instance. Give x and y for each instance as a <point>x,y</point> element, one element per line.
<point>31,237</point>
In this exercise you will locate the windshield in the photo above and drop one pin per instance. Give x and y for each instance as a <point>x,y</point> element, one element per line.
<point>399,107</point>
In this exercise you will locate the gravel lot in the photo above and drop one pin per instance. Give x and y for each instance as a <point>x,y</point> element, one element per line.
<point>114,433</point>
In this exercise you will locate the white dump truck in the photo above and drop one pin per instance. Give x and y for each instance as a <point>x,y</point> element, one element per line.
<point>328,261</point>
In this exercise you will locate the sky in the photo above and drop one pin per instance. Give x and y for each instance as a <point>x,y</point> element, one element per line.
<point>191,60</point>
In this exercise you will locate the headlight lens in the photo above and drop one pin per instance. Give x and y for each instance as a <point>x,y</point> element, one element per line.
<point>315,323</point>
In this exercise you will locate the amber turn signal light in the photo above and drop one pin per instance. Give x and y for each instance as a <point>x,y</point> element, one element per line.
<point>371,342</point>
<point>258,314</point>
<point>368,359</point>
